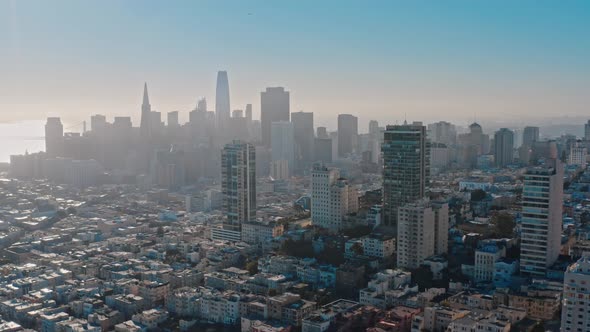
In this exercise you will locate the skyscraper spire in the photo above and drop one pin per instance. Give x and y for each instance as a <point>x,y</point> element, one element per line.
<point>146,109</point>
<point>146,99</point>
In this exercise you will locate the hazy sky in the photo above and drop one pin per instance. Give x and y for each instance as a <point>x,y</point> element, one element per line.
<point>430,60</point>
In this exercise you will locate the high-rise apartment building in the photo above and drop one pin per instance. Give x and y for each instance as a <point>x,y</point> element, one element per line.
<point>529,136</point>
<point>416,232</point>
<point>503,147</point>
<point>274,107</point>
<point>282,147</point>
<point>238,184</point>
<point>347,134</point>
<point>575,311</point>
<point>406,168</point>
<point>54,137</point>
<point>542,204</point>
<point>304,138</point>
<point>222,104</point>
<point>332,198</point>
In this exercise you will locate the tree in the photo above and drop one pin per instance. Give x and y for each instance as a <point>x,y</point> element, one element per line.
<point>503,224</point>
<point>539,327</point>
<point>252,267</point>
<point>478,195</point>
<point>160,231</point>
<point>357,248</point>
<point>71,210</point>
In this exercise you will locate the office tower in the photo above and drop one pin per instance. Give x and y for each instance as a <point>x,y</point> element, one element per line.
<point>282,138</point>
<point>443,132</point>
<point>530,135</point>
<point>54,140</point>
<point>172,119</point>
<point>587,131</point>
<point>347,134</point>
<point>98,123</point>
<point>222,106</point>
<point>542,200</point>
<point>155,122</point>
<point>238,184</point>
<point>374,128</point>
<point>503,147</point>
<point>575,311</point>
<point>415,234</point>
<point>406,168</point>
<point>332,198</point>
<point>201,105</point>
<point>274,107</point>
<point>304,138</point>
<point>249,113</point>
<point>322,132</point>
<point>238,126</point>
<point>146,110</point>
<point>323,150</point>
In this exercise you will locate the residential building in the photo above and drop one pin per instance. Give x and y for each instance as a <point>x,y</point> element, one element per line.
<point>406,168</point>
<point>542,204</point>
<point>332,198</point>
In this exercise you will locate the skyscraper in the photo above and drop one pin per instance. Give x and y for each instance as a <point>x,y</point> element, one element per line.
<point>587,131</point>
<point>249,114</point>
<point>575,312</point>
<point>282,147</point>
<point>406,168</point>
<point>347,134</point>
<point>54,137</point>
<point>238,184</point>
<point>304,138</point>
<point>529,136</point>
<point>172,119</point>
<point>332,198</point>
<point>222,105</point>
<point>274,107</point>
<point>542,200</point>
<point>443,132</point>
<point>503,147</point>
<point>146,114</point>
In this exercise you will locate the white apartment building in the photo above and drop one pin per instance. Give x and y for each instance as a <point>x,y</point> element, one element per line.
<point>542,205</point>
<point>575,313</point>
<point>332,198</point>
<point>421,232</point>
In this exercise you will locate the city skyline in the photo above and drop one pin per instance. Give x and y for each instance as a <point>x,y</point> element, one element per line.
<point>488,63</point>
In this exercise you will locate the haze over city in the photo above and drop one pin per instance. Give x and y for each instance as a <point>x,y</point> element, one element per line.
<point>459,61</point>
<point>304,166</point>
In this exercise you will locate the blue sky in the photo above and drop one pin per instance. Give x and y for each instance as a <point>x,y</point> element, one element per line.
<point>430,60</point>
